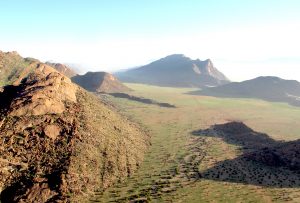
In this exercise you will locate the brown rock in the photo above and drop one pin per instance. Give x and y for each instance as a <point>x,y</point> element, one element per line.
<point>40,192</point>
<point>44,92</point>
<point>52,131</point>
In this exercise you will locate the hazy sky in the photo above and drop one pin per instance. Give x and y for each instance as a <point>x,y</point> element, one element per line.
<point>244,38</point>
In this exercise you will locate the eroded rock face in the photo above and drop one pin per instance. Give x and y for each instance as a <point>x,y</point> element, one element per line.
<point>44,92</point>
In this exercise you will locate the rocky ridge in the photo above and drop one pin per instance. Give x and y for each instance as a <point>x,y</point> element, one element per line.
<point>61,143</point>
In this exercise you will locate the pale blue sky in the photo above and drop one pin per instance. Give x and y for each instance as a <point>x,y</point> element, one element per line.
<point>243,38</point>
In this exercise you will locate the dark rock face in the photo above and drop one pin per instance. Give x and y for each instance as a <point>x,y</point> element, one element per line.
<point>100,82</point>
<point>176,71</point>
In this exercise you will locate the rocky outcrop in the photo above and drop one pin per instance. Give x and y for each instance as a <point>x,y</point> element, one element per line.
<point>44,92</point>
<point>60,143</point>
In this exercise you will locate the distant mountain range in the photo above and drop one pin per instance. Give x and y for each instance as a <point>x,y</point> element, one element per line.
<point>268,88</point>
<point>100,82</point>
<point>176,71</point>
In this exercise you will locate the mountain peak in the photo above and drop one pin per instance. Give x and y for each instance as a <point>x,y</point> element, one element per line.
<point>175,57</point>
<point>176,70</point>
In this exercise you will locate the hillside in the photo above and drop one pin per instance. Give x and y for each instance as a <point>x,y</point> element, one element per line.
<point>272,89</point>
<point>13,67</point>
<point>60,143</point>
<point>175,71</point>
<point>64,69</point>
<point>100,82</point>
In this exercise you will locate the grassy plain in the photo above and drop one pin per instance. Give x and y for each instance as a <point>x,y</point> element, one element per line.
<point>175,166</point>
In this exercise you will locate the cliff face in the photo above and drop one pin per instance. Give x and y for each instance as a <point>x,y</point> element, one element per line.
<point>60,143</point>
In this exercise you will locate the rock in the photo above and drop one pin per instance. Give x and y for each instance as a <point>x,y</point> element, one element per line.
<point>44,92</point>
<point>52,131</point>
<point>40,192</point>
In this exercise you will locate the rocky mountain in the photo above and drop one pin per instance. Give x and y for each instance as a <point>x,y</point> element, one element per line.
<point>272,89</point>
<point>60,143</point>
<point>64,69</point>
<point>100,82</point>
<point>176,71</point>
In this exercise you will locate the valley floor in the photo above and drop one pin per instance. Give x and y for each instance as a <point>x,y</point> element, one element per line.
<point>182,167</point>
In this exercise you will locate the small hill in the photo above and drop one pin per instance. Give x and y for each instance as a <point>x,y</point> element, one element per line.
<point>60,143</point>
<point>64,69</point>
<point>269,88</point>
<point>176,71</point>
<point>100,82</point>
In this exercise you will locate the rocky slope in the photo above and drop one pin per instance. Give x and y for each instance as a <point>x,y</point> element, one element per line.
<point>176,71</point>
<point>60,143</point>
<point>267,88</point>
<point>62,68</point>
<point>100,82</point>
<point>13,67</point>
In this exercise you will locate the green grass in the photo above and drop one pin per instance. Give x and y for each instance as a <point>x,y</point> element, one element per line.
<point>171,129</point>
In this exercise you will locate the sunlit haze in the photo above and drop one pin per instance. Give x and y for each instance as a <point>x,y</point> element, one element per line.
<point>244,39</point>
